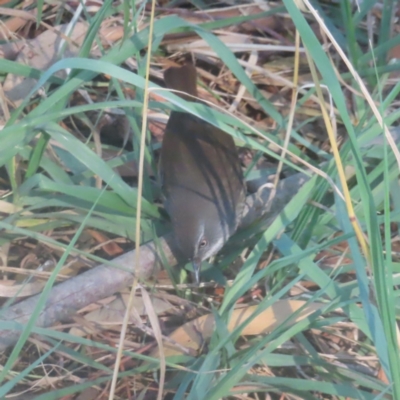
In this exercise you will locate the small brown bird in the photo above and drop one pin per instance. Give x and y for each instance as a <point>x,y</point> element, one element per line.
<point>201,176</point>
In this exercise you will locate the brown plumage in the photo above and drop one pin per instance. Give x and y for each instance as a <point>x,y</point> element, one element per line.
<point>202,178</point>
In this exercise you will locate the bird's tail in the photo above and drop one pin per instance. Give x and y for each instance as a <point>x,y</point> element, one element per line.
<point>183,79</point>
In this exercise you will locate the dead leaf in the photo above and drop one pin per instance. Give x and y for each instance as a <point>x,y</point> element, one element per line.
<point>9,290</point>
<point>18,19</point>
<point>382,376</point>
<point>110,247</point>
<point>113,312</point>
<point>193,334</point>
<point>41,53</point>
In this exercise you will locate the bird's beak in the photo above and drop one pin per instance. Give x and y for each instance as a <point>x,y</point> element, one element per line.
<point>196,269</point>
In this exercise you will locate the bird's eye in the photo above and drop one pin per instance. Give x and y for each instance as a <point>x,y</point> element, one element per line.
<point>203,243</point>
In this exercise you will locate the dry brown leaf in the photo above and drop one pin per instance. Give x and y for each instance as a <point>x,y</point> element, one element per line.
<point>193,334</point>
<point>42,52</point>
<point>111,248</point>
<point>111,34</point>
<point>18,19</point>
<point>113,312</point>
<point>12,25</point>
<point>382,376</point>
<point>9,290</point>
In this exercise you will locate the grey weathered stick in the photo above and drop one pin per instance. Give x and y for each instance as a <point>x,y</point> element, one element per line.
<point>102,281</point>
